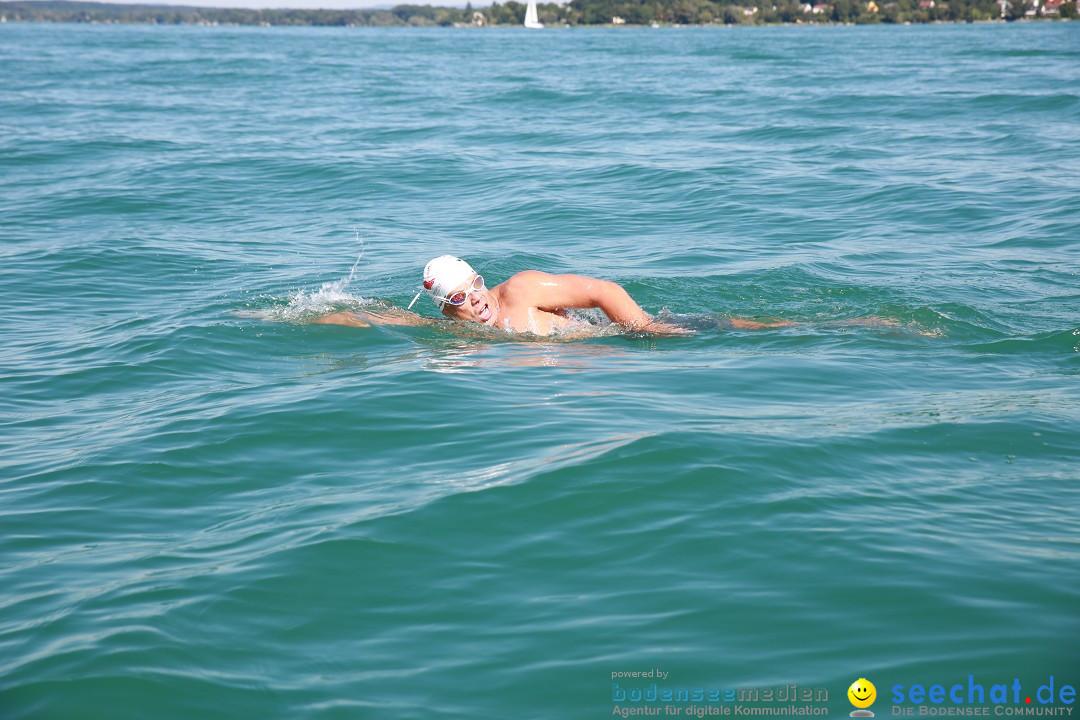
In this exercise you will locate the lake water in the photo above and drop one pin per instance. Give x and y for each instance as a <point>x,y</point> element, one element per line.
<point>212,508</point>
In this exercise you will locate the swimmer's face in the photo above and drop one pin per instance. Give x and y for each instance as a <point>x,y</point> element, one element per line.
<point>479,307</point>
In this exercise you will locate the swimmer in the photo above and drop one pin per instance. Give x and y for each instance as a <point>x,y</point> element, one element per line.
<point>530,301</point>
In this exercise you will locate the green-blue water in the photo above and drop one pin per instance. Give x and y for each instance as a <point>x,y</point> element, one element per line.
<point>211,508</point>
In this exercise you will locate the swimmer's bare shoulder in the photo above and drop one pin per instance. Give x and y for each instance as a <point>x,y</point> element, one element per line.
<point>558,293</point>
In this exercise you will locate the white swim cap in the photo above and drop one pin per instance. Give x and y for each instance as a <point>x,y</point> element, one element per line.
<point>442,276</point>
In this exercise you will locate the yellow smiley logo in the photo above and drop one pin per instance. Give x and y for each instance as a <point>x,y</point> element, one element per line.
<point>862,693</point>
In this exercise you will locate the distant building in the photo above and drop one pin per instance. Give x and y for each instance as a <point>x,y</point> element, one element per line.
<point>926,4</point>
<point>478,19</point>
<point>871,7</point>
<point>617,21</point>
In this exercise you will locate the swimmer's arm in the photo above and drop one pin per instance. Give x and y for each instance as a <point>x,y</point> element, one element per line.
<point>342,318</point>
<point>755,325</point>
<point>554,292</point>
<point>368,318</point>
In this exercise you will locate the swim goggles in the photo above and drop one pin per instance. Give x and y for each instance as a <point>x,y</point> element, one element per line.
<point>461,296</point>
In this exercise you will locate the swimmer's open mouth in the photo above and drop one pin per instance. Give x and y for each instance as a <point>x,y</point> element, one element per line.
<point>484,314</point>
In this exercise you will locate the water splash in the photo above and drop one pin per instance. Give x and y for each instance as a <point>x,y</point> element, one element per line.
<point>306,305</point>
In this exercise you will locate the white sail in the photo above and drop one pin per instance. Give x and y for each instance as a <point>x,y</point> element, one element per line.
<point>531,19</point>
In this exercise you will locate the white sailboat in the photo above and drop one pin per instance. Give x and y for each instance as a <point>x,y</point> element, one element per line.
<point>531,19</point>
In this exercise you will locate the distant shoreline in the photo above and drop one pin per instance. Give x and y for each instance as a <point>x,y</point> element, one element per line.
<point>556,28</point>
<point>578,13</point>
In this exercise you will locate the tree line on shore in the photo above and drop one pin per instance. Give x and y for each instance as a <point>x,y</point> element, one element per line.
<point>577,12</point>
